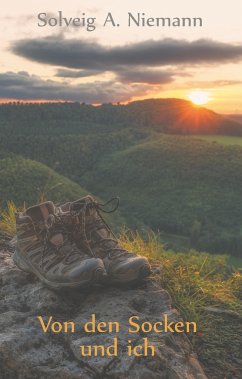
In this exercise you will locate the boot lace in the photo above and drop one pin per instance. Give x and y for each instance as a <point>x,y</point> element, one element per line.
<point>109,244</point>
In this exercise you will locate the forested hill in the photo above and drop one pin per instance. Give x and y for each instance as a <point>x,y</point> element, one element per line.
<point>184,187</point>
<point>160,115</point>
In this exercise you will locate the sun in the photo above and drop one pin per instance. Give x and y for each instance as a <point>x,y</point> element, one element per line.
<point>199,97</point>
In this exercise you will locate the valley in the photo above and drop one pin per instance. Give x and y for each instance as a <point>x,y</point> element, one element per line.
<point>155,154</point>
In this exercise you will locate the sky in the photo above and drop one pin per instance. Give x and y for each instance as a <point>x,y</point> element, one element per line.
<point>121,63</point>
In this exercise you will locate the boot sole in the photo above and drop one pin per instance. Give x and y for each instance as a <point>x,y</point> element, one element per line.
<point>23,265</point>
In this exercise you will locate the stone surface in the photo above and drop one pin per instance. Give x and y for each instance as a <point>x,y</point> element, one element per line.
<point>26,352</point>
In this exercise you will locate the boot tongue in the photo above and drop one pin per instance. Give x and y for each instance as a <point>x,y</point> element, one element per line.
<point>99,234</point>
<point>80,203</point>
<point>41,212</point>
<point>91,215</point>
<point>85,205</point>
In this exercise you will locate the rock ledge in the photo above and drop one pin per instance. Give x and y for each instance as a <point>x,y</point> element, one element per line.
<point>26,352</point>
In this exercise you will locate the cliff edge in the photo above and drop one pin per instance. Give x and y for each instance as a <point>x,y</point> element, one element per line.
<point>26,352</point>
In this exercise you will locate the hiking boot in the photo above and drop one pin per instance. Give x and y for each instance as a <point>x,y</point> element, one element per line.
<point>44,249</point>
<point>93,235</point>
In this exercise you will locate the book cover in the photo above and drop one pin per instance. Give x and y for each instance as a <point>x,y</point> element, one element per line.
<point>120,189</point>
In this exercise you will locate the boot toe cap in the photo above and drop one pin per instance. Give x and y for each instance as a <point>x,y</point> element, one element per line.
<point>88,271</point>
<point>136,268</point>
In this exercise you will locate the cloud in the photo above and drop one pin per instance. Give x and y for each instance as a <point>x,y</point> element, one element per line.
<point>124,75</point>
<point>89,55</point>
<point>213,83</point>
<point>63,73</point>
<point>137,68</point>
<point>23,86</point>
<point>144,76</point>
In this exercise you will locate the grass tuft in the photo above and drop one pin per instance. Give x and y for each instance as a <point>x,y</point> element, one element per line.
<point>7,218</point>
<point>205,289</point>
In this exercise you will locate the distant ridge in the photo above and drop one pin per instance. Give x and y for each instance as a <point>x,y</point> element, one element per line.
<point>171,116</point>
<point>183,117</point>
<point>236,117</point>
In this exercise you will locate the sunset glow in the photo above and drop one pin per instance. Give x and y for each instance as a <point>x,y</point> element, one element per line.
<point>199,97</point>
<point>141,55</point>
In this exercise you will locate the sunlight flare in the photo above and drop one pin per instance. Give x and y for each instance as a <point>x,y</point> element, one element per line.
<point>199,97</point>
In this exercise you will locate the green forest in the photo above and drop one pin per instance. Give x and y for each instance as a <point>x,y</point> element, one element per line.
<point>143,152</point>
<point>177,169</point>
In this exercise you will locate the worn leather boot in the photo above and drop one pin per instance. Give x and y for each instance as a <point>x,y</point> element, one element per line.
<point>93,235</point>
<point>44,248</point>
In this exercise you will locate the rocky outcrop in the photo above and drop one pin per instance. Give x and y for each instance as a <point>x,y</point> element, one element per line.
<point>26,352</point>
